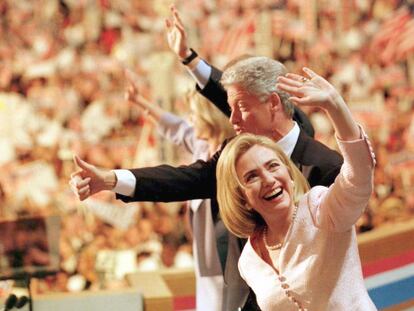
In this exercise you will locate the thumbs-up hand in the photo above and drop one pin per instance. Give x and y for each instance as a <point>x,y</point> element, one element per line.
<point>89,179</point>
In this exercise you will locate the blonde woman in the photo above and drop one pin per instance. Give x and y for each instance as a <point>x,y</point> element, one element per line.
<point>302,251</point>
<point>202,138</point>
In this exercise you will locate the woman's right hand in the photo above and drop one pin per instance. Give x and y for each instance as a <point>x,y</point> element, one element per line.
<point>314,90</point>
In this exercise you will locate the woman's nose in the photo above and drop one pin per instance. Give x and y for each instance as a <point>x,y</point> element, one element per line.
<point>268,178</point>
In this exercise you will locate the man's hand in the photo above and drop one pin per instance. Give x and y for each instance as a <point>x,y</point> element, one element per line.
<point>89,179</point>
<point>176,35</point>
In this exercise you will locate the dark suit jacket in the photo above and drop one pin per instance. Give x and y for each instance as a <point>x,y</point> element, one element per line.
<point>165,183</point>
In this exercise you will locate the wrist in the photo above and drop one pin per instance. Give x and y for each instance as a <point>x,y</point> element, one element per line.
<point>110,180</point>
<point>333,102</point>
<point>189,57</point>
<point>185,54</point>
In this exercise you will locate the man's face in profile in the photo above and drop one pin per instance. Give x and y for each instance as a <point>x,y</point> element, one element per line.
<point>248,113</point>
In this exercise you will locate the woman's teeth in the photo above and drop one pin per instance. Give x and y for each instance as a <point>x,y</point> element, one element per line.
<point>275,193</point>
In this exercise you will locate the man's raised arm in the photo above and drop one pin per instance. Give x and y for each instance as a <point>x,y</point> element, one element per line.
<point>208,77</point>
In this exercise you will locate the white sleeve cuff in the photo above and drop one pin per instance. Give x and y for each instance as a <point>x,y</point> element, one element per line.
<point>201,73</point>
<point>126,182</point>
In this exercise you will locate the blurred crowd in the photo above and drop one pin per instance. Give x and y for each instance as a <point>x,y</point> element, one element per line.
<point>62,88</point>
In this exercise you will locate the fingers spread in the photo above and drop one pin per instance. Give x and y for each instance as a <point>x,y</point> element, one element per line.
<point>311,74</point>
<point>290,89</point>
<point>317,79</point>
<point>177,20</point>
<point>300,100</point>
<point>289,81</point>
<point>177,17</point>
<point>295,77</point>
<point>180,28</point>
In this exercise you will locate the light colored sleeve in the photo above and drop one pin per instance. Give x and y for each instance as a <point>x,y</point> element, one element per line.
<point>126,182</point>
<point>201,73</point>
<point>177,130</point>
<point>338,207</point>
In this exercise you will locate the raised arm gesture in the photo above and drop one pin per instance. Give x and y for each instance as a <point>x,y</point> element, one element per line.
<point>176,35</point>
<point>133,96</point>
<point>313,90</point>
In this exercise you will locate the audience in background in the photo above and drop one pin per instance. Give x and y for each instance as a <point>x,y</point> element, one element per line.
<point>62,69</point>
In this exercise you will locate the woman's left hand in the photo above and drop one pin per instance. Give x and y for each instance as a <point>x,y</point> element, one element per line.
<point>312,90</point>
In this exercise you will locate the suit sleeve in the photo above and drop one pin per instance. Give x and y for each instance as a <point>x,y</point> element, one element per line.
<point>166,183</point>
<point>215,92</point>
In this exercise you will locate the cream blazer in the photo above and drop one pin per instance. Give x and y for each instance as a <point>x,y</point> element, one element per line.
<point>319,264</point>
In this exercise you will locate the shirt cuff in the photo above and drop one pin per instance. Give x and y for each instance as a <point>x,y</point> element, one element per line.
<point>126,183</point>
<point>201,73</point>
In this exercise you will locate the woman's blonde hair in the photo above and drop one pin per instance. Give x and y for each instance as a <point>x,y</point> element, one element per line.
<point>216,121</point>
<point>240,220</point>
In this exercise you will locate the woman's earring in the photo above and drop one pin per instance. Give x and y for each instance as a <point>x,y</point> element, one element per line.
<point>248,207</point>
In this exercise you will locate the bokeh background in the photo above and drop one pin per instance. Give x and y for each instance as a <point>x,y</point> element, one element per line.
<point>62,90</point>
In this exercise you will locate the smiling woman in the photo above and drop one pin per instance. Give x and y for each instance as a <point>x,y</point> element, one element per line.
<point>249,160</point>
<point>301,252</point>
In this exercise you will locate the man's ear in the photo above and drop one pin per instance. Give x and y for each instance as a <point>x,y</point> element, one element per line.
<point>275,103</point>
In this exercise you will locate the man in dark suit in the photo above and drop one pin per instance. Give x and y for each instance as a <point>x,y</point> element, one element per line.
<point>256,106</point>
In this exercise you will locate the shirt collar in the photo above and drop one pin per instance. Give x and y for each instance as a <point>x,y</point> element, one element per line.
<point>288,142</point>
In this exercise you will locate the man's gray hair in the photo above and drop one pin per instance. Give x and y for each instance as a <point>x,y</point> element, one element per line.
<point>258,75</point>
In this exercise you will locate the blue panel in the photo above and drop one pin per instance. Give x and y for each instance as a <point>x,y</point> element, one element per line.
<point>393,294</point>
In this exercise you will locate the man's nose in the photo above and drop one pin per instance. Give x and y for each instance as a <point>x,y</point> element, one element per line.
<point>234,116</point>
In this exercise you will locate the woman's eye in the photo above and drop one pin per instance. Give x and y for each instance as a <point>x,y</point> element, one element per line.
<point>273,165</point>
<point>250,177</point>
